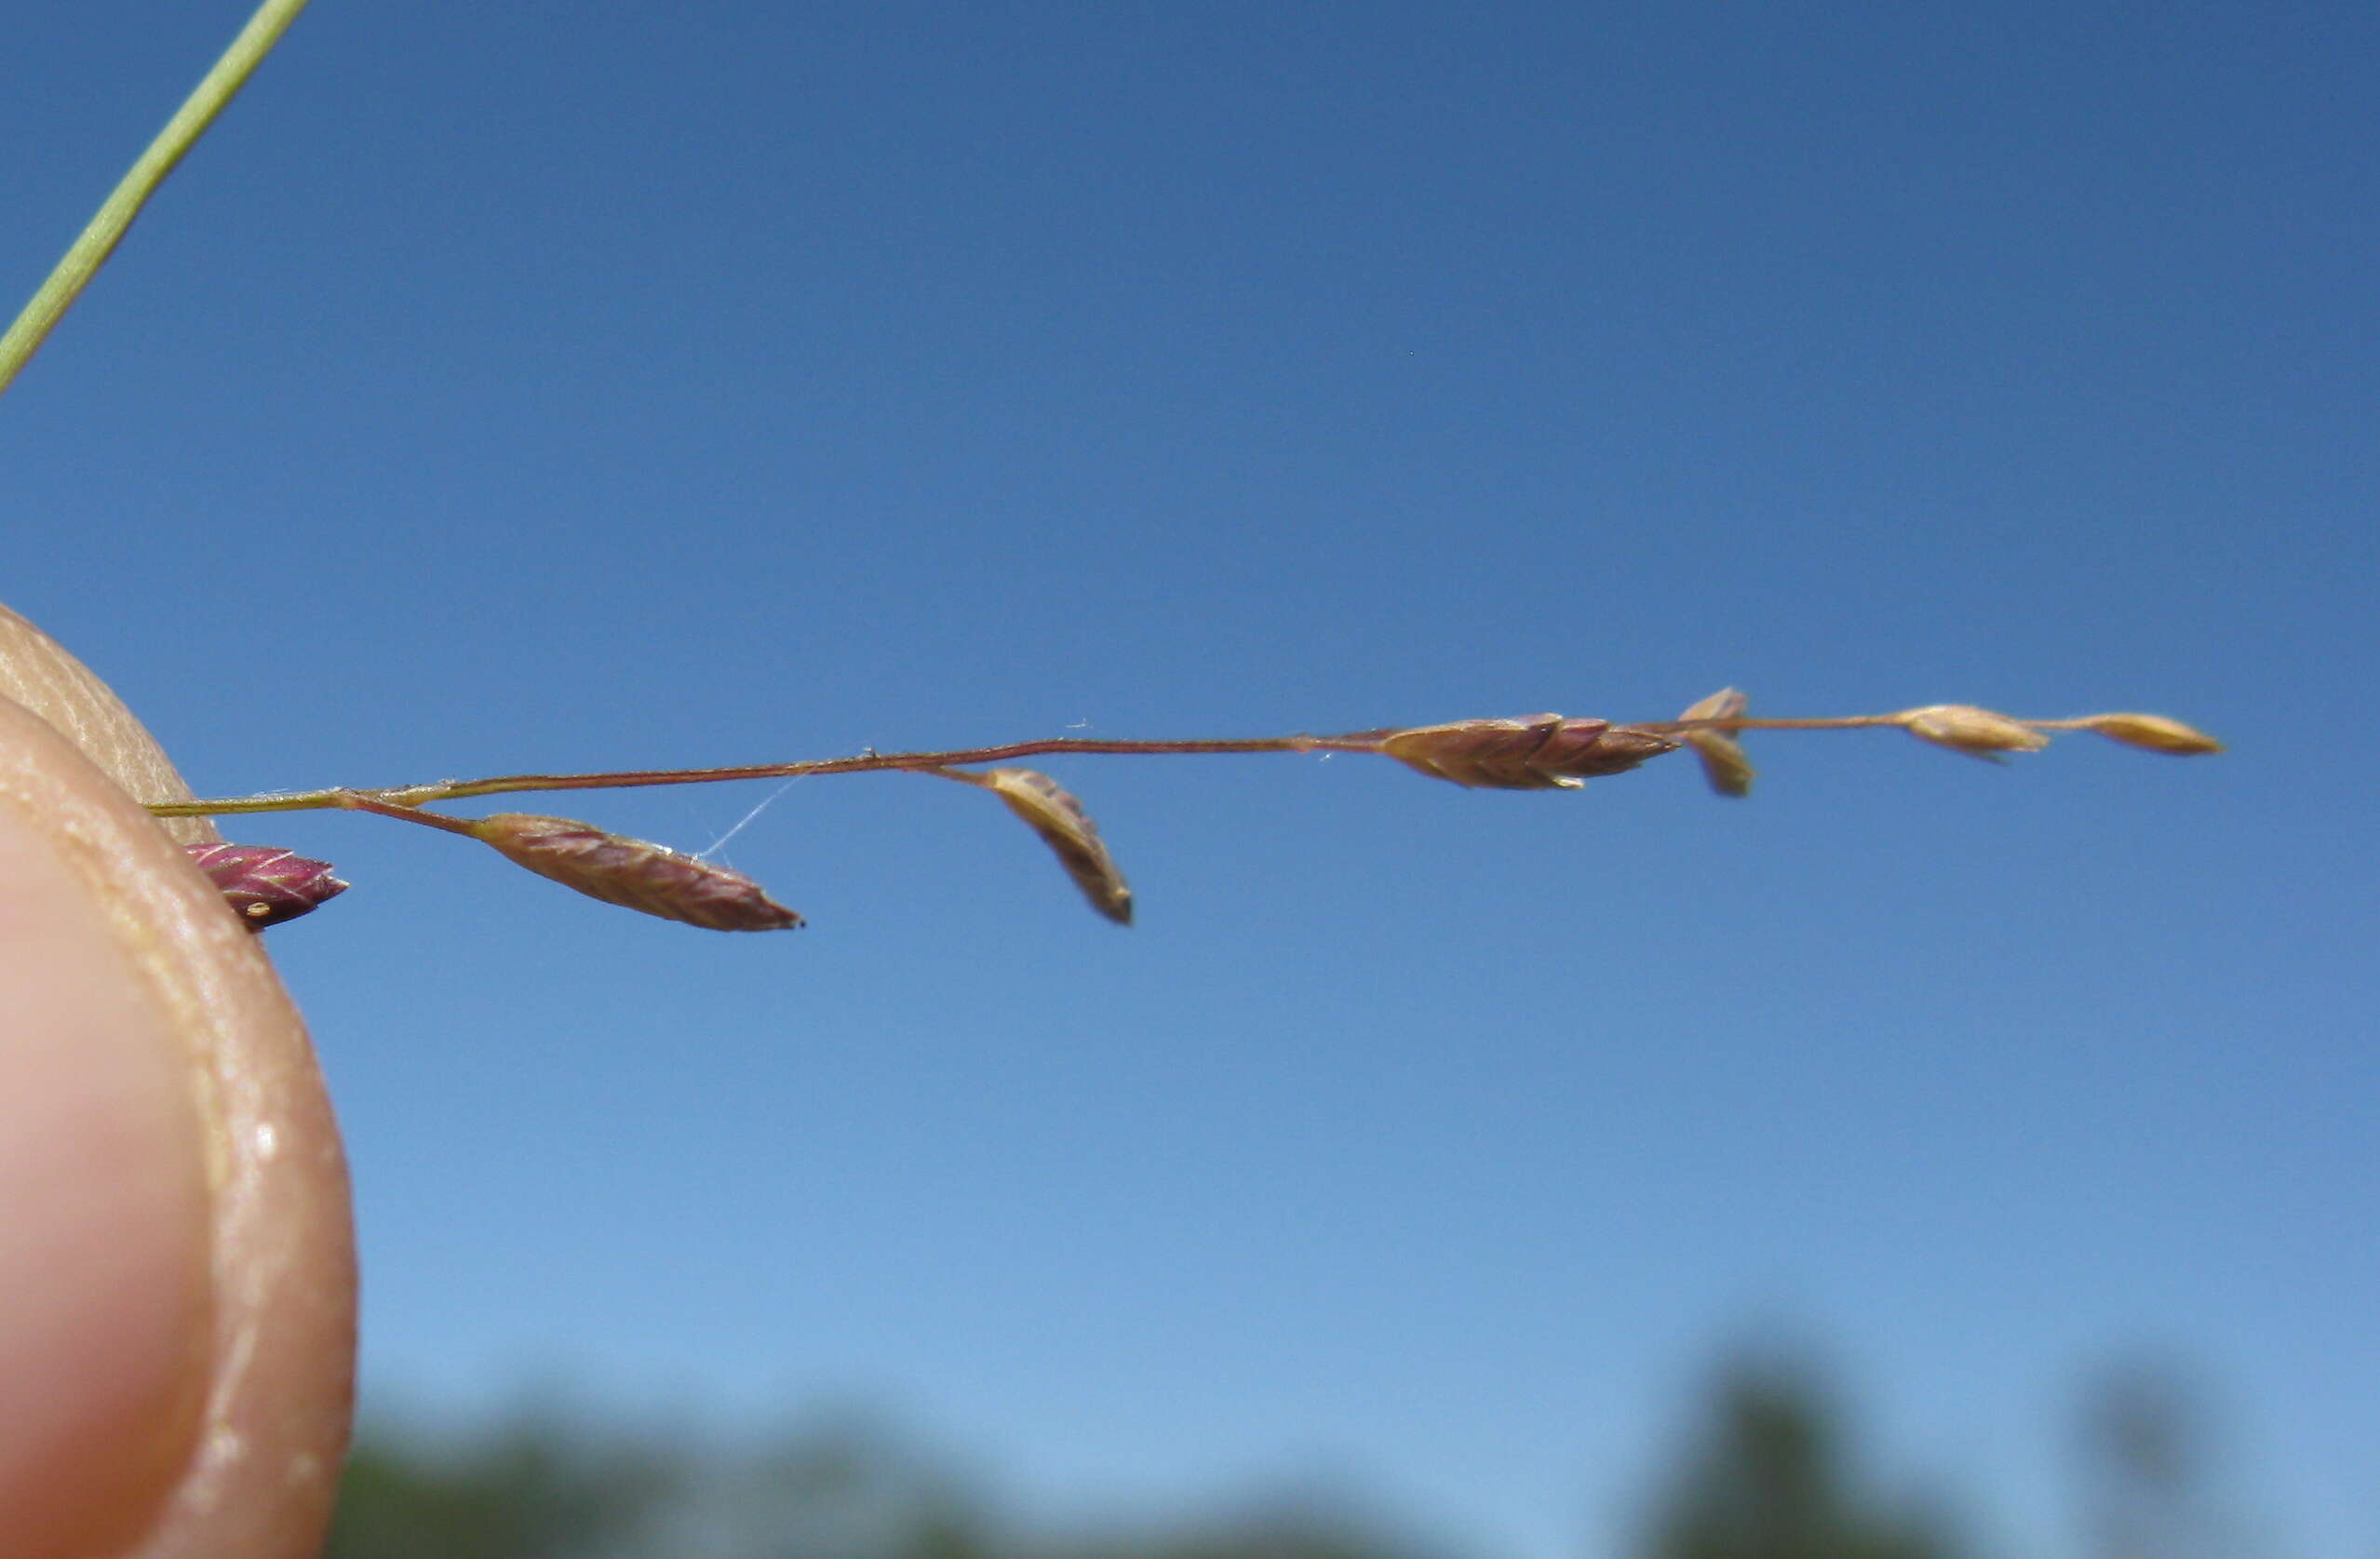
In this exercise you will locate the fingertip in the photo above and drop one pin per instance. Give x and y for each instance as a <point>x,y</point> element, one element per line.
<point>188,1199</point>
<point>105,1225</point>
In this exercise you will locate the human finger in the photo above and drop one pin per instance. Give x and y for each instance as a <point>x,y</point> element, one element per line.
<point>171,1184</point>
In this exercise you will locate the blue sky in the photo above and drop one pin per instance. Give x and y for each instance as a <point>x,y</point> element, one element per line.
<point>556,387</point>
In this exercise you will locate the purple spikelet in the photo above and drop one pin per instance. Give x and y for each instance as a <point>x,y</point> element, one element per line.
<point>264,884</point>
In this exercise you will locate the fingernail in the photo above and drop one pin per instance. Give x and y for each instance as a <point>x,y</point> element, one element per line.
<point>105,1217</point>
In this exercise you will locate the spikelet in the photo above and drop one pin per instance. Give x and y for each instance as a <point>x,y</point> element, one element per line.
<point>265,885</point>
<point>1542,752</point>
<point>2154,734</point>
<point>633,873</point>
<point>1723,764</point>
<point>1053,814</point>
<point>1964,727</point>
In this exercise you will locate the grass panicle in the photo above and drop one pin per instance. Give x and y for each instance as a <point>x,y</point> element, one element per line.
<point>1535,752</point>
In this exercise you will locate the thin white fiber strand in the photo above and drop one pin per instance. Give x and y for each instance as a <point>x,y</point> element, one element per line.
<point>766,801</point>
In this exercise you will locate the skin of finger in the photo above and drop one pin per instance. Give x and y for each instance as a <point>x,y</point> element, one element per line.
<point>106,1321</point>
<point>36,671</point>
<point>261,1461</point>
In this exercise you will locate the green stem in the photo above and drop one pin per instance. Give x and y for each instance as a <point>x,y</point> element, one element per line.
<point>107,229</point>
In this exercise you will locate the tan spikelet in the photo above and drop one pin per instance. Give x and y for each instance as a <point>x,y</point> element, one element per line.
<point>1723,764</point>
<point>1964,727</point>
<point>1051,811</point>
<point>2154,734</point>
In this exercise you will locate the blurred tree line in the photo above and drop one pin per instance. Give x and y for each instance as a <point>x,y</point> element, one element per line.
<point>1766,1474</point>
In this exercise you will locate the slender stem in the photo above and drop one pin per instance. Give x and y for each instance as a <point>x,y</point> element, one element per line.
<point>403,799</point>
<point>411,796</point>
<point>356,802</point>
<point>400,801</point>
<point>1823,723</point>
<point>107,229</point>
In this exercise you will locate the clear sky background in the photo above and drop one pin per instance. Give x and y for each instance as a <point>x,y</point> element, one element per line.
<point>565,385</point>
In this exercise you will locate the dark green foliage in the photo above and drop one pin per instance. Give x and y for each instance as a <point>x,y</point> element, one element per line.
<point>1766,1474</point>
<point>543,1489</point>
<point>1768,1480</point>
<point>529,1490</point>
